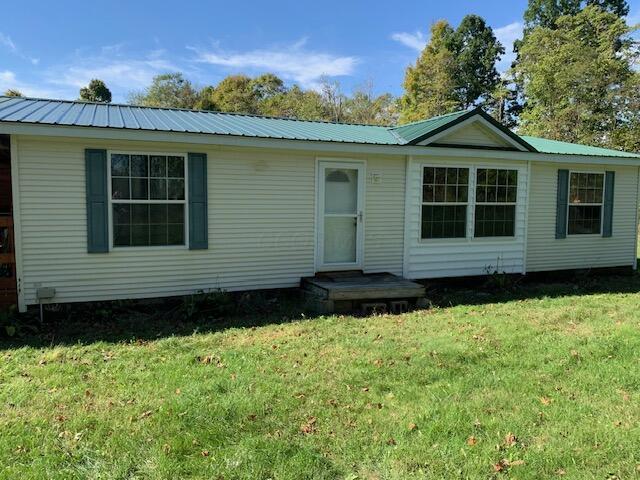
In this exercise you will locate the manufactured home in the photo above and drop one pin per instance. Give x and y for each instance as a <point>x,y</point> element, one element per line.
<point>103,202</point>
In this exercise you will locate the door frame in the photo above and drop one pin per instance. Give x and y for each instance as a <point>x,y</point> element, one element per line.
<point>361,167</point>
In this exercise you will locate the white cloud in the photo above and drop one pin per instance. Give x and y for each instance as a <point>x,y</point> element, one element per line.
<point>416,40</point>
<point>292,62</point>
<point>121,75</point>
<point>506,36</point>
<point>8,43</point>
<point>9,80</point>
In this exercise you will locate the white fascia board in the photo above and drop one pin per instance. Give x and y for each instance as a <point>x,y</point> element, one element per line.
<point>13,128</point>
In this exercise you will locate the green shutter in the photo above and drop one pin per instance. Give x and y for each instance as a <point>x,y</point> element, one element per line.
<point>607,221</point>
<point>97,201</point>
<point>198,228</point>
<point>561,205</point>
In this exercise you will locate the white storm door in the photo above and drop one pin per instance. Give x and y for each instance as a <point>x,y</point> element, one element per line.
<point>340,215</point>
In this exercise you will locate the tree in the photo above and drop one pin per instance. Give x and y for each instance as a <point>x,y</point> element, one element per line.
<point>267,85</point>
<point>12,92</point>
<point>364,107</point>
<point>295,103</point>
<point>544,13</point>
<point>235,93</point>
<point>205,99</point>
<point>503,104</point>
<point>170,90</point>
<point>96,91</point>
<point>477,51</point>
<point>577,79</point>
<point>430,85</point>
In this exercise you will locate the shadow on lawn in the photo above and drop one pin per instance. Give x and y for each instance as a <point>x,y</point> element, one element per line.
<point>124,321</point>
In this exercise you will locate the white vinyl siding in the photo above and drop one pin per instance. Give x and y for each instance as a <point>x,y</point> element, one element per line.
<point>384,215</point>
<point>261,215</point>
<point>456,257</point>
<point>474,135</point>
<point>545,252</point>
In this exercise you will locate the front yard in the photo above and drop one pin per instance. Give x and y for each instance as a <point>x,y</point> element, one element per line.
<point>543,383</point>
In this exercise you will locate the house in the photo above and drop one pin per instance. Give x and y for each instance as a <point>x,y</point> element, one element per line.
<point>118,201</point>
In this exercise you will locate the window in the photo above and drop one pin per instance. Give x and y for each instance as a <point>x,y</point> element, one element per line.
<point>147,199</point>
<point>445,193</point>
<point>496,197</point>
<point>585,203</point>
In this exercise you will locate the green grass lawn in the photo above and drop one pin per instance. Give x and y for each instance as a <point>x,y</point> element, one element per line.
<point>537,384</point>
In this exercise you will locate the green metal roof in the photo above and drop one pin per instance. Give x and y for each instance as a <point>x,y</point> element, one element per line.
<point>544,145</point>
<point>412,131</point>
<point>86,114</point>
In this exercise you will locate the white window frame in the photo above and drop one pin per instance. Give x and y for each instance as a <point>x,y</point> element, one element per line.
<point>185,202</point>
<point>471,203</point>
<point>476,203</point>
<point>444,204</point>
<point>601,204</point>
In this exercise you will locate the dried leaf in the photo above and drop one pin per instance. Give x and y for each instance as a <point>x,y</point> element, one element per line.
<point>205,453</point>
<point>471,441</point>
<point>545,400</point>
<point>412,427</point>
<point>309,427</point>
<point>510,439</point>
<point>146,414</point>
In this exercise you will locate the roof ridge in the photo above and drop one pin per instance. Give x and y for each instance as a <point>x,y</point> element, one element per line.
<point>193,110</point>
<point>417,122</point>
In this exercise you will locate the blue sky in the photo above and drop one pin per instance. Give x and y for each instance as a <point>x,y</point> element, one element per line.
<point>51,49</point>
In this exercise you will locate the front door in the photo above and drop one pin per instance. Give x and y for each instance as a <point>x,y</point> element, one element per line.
<point>8,289</point>
<point>340,215</point>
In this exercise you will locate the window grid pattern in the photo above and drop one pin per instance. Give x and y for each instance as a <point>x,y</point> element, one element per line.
<point>148,199</point>
<point>496,199</point>
<point>445,196</point>
<point>586,194</point>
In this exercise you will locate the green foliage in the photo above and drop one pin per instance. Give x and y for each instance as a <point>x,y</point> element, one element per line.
<point>294,103</point>
<point>96,91</point>
<point>545,13</point>
<point>456,70</point>
<point>430,85</point>
<point>170,90</point>
<point>476,51</point>
<point>12,92</point>
<point>577,79</point>
<point>205,99</point>
<point>235,93</point>
<point>365,107</point>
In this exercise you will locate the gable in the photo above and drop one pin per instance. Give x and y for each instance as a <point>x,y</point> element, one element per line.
<point>475,135</point>
<point>475,132</point>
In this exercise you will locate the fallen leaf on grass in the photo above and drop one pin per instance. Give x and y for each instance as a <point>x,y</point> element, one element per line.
<point>205,453</point>
<point>561,471</point>
<point>510,439</point>
<point>309,427</point>
<point>412,427</point>
<point>545,400</point>
<point>471,441</point>
<point>146,414</point>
